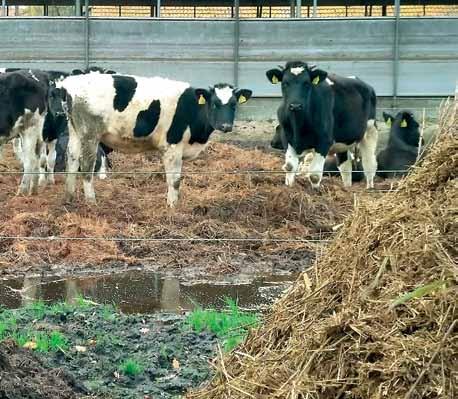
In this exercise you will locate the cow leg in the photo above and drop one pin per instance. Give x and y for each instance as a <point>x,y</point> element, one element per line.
<point>51,162</point>
<point>103,168</point>
<point>173,160</point>
<point>345,165</point>
<point>316,169</point>
<point>31,148</point>
<point>87,165</point>
<point>17,148</point>
<point>43,161</point>
<point>367,148</point>
<point>291,165</point>
<point>73,163</point>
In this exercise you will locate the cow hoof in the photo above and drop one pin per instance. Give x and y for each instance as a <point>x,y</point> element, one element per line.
<point>315,180</point>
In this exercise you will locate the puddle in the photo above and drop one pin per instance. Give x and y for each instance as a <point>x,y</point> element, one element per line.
<point>143,292</point>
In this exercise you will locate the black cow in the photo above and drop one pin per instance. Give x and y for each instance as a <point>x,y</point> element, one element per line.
<point>326,114</point>
<point>23,108</point>
<point>402,149</point>
<point>137,114</point>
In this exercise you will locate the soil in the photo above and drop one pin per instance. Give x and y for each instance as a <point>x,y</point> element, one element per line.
<point>212,206</point>
<point>23,375</point>
<point>172,357</point>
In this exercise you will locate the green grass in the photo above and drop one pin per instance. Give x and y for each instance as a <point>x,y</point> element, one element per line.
<point>131,367</point>
<point>231,325</point>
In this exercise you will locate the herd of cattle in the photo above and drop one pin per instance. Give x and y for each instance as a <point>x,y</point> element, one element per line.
<point>71,121</point>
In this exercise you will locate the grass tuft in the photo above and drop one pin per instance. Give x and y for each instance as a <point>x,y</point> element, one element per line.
<point>231,325</point>
<point>131,367</point>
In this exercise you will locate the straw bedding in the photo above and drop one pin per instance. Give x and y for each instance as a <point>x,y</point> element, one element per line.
<point>212,206</point>
<point>377,316</point>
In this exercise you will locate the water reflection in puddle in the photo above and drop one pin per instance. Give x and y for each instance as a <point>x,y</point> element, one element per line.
<point>142,292</point>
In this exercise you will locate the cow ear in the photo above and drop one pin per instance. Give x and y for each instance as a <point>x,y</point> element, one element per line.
<point>317,76</point>
<point>202,96</point>
<point>388,119</point>
<point>243,95</point>
<point>110,72</point>
<point>274,75</point>
<point>77,72</point>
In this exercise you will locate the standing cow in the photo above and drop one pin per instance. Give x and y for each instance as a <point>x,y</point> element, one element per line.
<point>402,149</point>
<point>325,114</point>
<point>137,114</point>
<point>23,108</point>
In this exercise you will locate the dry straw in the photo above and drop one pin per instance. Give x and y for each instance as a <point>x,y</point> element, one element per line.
<point>377,316</point>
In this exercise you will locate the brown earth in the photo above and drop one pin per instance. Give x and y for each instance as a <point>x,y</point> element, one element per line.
<point>23,376</point>
<point>212,206</point>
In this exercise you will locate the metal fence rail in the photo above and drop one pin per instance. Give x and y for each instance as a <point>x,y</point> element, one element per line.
<point>207,51</point>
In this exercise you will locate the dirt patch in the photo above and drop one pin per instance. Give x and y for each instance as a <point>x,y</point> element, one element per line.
<point>103,354</point>
<point>214,205</point>
<point>23,375</point>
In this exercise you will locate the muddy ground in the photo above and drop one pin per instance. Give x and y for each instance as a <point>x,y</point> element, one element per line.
<point>99,340</point>
<point>214,205</point>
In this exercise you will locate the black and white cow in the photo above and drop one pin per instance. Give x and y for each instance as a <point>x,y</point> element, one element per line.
<point>402,149</point>
<point>326,114</point>
<point>23,108</point>
<point>137,114</point>
<point>55,126</point>
<point>102,163</point>
<point>55,121</point>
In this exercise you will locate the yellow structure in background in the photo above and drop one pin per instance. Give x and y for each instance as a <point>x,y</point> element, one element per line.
<point>269,12</point>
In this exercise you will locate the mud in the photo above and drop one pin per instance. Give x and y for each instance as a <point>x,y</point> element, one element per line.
<point>23,375</point>
<point>171,357</point>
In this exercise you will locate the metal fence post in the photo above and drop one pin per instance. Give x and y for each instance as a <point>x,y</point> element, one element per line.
<point>158,8</point>
<point>3,8</point>
<point>315,5</point>
<point>397,10</point>
<point>86,33</point>
<point>298,8</point>
<point>236,41</point>
<point>77,8</point>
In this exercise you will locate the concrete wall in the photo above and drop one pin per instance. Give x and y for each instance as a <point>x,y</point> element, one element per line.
<point>202,51</point>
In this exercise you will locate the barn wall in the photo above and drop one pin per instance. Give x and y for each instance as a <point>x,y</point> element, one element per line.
<point>202,51</point>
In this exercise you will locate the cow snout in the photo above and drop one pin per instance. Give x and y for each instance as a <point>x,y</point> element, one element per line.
<point>226,127</point>
<point>295,107</point>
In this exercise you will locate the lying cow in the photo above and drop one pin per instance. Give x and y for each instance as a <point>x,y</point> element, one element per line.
<point>23,108</point>
<point>137,114</point>
<point>325,114</point>
<point>402,149</point>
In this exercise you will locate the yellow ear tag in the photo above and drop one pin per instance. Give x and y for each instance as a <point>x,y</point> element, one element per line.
<point>316,80</point>
<point>242,99</point>
<point>388,122</point>
<point>274,80</point>
<point>202,100</point>
<point>403,123</point>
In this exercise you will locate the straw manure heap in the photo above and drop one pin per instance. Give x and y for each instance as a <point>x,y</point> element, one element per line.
<point>377,317</point>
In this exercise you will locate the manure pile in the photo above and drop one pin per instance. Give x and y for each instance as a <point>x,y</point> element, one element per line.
<point>377,316</point>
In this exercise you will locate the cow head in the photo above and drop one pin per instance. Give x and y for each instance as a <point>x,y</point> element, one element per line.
<point>58,103</point>
<point>404,127</point>
<point>297,81</point>
<point>221,103</point>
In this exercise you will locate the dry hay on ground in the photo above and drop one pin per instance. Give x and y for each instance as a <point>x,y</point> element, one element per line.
<point>212,206</point>
<point>377,317</point>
